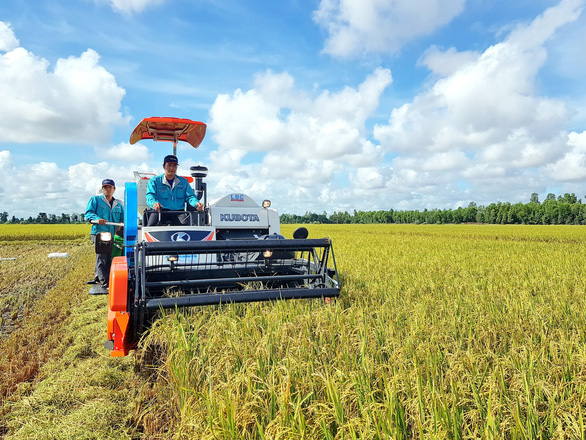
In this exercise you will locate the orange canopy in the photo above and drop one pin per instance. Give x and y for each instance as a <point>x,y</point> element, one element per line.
<point>169,130</point>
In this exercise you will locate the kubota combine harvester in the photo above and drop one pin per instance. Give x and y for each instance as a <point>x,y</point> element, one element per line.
<point>230,252</point>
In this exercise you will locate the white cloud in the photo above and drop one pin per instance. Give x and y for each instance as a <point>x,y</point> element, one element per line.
<point>445,63</point>
<point>481,131</point>
<point>571,167</point>
<point>367,179</point>
<point>297,171</point>
<point>131,6</point>
<point>45,187</point>
<point>77,102</point>
<point>246,121</point>
<point>274,116</point>
<point>305,139</point>
<point>8,40</point>
<point>5,159</point>
<point>356,26</point>
<point>544,26</point>
<point>482,126</point>
<point>483,102</point>
<point>445,161</point>
<point>128,153</point>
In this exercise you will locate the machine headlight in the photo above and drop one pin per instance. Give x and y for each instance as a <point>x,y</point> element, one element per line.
<point>105,236</point>
<point>268,253</point>
<point>104,243</point>
<point>266,203</point>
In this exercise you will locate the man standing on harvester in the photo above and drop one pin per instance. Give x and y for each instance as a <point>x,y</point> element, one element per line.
<point>169,192</point>
<point>104,208</point>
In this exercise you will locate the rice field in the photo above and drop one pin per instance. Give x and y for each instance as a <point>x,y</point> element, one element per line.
<point>460,332</point>
<point>42,233</point>
<point>441,332</point>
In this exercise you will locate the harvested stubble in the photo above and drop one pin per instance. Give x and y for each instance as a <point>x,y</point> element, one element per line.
<point>441,332</point>
<point>56,380</point>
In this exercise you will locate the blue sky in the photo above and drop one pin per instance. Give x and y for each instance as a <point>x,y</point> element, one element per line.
<point>326,105</point>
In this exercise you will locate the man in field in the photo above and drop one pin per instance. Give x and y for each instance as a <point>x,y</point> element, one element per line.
<point>104,208</point>
<point>169,192</point>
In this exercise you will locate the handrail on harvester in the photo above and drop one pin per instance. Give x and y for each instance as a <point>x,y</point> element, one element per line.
<point>235,245</point>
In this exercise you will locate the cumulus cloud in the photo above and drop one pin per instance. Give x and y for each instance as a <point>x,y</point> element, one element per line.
<point>5,159</point>
<point>77,101</point>
<point>368,179</point>
<point>131,6</point>
<point>305,138</point>
<point>358,26</point>
<point>47,187</point>
<point>447,62</point>
<point>126,152</point>
<point>479,132</point>
<point>487,101</point>
<point>572,166</point>
<point>274,116</point>
<point>8,40</point>
<point>483,116</point>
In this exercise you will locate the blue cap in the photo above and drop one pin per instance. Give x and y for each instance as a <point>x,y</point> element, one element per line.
<point>108,182</point>
<point>170,159</point>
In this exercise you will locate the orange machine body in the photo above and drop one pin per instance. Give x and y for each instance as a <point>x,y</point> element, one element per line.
<point>118,316</point>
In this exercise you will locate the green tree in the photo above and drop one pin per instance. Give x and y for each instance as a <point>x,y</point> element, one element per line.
<point>568,198</point>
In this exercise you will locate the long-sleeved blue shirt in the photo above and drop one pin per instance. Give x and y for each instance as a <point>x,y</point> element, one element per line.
<point>98,207</point>
<point>170,197</point>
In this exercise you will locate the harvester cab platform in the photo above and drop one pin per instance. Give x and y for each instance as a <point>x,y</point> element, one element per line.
<point>231,251</point>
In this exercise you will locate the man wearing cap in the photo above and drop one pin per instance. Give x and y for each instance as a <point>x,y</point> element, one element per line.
<point>169,191</point>
<point>104,208</point>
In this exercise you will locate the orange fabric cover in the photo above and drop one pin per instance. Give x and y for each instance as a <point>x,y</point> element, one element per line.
<point>163,129</point>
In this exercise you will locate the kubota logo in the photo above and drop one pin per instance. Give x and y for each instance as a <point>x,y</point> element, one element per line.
<point>180,236</point>
<point>239,218</point>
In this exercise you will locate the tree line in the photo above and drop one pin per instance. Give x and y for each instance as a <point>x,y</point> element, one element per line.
<point>43,218</point>
<point>561,210</point>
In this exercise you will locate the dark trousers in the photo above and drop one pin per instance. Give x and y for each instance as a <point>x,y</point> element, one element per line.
<point>102,267</point>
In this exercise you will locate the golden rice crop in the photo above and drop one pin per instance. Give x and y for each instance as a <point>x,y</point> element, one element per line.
<point>441,332</point>
<point>10,232</point>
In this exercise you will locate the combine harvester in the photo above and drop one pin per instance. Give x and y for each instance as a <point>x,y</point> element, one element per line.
<point>230,252</point>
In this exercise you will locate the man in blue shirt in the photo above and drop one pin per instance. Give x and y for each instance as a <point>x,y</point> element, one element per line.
<point>104,208</point>
<point>169,191</point>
